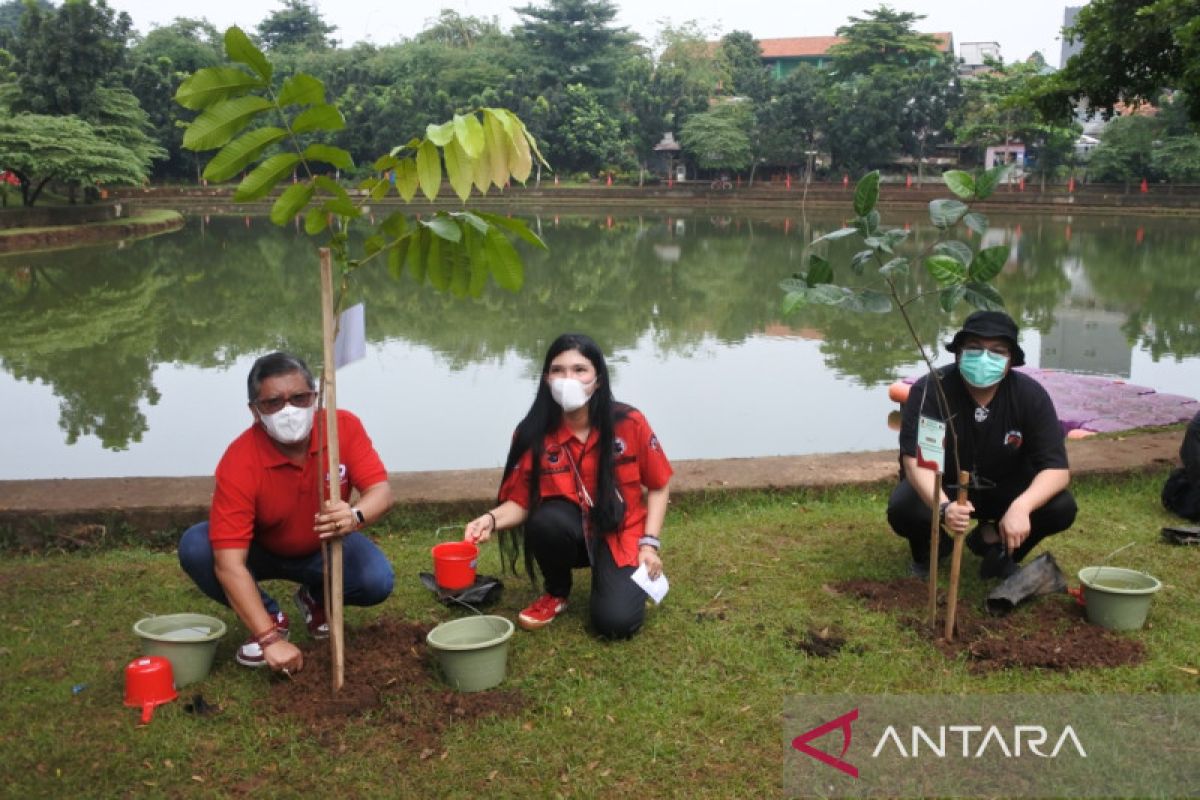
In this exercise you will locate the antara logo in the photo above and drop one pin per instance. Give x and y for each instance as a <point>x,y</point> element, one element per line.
<point>842,723</point>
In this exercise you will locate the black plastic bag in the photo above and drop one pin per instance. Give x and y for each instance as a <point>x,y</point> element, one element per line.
<point>1038,577</point>
<point>484,592</point>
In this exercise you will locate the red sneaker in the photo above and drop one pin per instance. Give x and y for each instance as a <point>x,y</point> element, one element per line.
<point>250,654</point>
<point>541,612</point>
<point>313,613</point>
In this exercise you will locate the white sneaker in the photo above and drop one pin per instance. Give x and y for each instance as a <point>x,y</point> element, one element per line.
<point>250,654</point>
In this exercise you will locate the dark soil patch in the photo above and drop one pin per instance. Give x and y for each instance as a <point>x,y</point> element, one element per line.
<point>1050,632</point>
<point>820,643</point>
<point>391,679</point>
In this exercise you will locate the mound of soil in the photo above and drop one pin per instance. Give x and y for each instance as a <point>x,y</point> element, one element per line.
<point>391,679</point>
<point>1050,632</point>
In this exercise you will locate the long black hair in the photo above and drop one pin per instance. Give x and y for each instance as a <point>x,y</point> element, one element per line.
<point>545,416</point>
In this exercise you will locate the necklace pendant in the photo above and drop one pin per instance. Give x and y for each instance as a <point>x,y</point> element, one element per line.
<point>981,414</point>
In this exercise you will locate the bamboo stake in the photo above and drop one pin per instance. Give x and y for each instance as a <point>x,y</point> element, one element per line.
<point>964,478</point>
<point>333,548</point>
<point>935,536</point>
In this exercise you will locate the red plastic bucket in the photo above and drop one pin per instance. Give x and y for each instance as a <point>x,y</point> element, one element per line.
<point>454,564</point>
<point>149,682</point>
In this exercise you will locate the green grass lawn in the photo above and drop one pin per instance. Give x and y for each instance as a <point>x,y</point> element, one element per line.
<point>689,708</point>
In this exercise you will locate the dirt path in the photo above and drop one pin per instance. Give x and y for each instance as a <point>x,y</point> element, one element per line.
<point>150,504</point>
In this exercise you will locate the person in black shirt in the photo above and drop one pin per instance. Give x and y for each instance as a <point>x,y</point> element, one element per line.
<point>1008,438</point>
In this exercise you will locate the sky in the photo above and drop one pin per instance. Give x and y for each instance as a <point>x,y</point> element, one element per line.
<point>1020,26</point>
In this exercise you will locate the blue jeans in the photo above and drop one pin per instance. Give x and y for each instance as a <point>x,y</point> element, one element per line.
<point>367,575</point>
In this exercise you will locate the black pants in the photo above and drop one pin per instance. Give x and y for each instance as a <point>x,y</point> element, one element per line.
<point>554,534</point>
<point>910,517</point>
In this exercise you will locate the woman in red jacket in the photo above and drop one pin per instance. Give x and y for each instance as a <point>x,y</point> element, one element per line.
<point>574,477</point>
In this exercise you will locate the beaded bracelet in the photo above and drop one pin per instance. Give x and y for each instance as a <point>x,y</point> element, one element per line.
<point>493,516</point>
<point>650,540</point>
<point>269,638</point>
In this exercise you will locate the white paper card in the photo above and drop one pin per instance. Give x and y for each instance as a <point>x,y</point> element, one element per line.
<point>931,434</point>
<point>656,588</point>
<point>351,342</point>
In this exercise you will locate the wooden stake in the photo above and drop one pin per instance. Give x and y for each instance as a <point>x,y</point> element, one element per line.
<point>333,548</point>
<point>964,478</point>
<point>935,536</point>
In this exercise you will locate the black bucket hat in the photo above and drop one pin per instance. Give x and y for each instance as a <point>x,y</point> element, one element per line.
<point>990,325</point>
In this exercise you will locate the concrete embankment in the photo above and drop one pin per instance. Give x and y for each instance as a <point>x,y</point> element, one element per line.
<point>37,512</point>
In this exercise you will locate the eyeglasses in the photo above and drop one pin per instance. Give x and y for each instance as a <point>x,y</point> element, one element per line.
<point>272,405</point>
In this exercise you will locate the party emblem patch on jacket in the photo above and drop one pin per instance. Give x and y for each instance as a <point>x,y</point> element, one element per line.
<point>553,454</point>
<point>1013,439</point>
<point>653,441</point>
<point>619,446</point>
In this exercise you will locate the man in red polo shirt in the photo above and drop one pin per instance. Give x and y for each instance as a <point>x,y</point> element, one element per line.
<point>267,521</point>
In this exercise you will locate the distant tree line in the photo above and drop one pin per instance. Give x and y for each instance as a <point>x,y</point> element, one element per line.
<point>595,95</point>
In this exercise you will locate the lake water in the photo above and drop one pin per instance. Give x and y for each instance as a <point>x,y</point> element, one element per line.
<point>131,360</point>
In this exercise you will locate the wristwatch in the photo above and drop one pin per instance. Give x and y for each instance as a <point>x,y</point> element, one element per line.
<point>358,515</point>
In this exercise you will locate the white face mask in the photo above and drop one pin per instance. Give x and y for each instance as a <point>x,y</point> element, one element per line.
<point>570,393</point>
<point>289,424</point>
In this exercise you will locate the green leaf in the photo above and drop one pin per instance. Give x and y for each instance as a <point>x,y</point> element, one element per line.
<point>302,90</point>
<point>289,204</point>
<point>896,268</point>
<point>429,170</point>
<point>440,135</point>
<point>444,227</point>
<point>507,269</point>
<point>459,170</point>
<point>379,188</point>
<point>263,178</point>
<point>946,270</point>
<point>239,48</point>
<point>373,244</point>
<point>460,273</point>
<point>438,268</point>
<point>474,220</point>
<point>329,155</point>
<point>395,226</point>
<point>206,86</point>
<point>866,194</point>
<point>479,266</point>
<point>976,222</point>
<point>469,135</point>
<point>840,233</point>
<point>418,249</point>
<point>959,251</point>
<point>948,298</point>
<point>983,296</point>
<point>342,206</point>
<point>235,156</point>
<point>315,221</point>
<point>829,295</point>
<point>520,160</point>
<point>396,257</point>
<point>794,300</point>
<point>988,181</point>
<point>221,121</point>
<point>332,187</point>
<point>318,118</point>
<point>961,183</point>
<point>515,227</point>
<point>406,180</point>
<point>988,263</point>
<point>860,260</point>
<point>819,270</point>
<point>874,301</point>
<point>945,213</point>
<point>495,154</point>
<point>793,284</point>
<point>385,162</point>
<point>895,236</point>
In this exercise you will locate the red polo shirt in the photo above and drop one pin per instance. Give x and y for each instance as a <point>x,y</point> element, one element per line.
<point>638,461</point>
<point>262,496</point>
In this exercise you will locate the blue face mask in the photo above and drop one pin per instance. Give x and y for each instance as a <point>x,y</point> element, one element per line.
<point>982,368</point>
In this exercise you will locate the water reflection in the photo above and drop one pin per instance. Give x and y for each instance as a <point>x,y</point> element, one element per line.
<point>96,325</point>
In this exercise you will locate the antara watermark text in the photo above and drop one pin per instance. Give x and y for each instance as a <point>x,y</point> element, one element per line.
<point>976,741</point>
